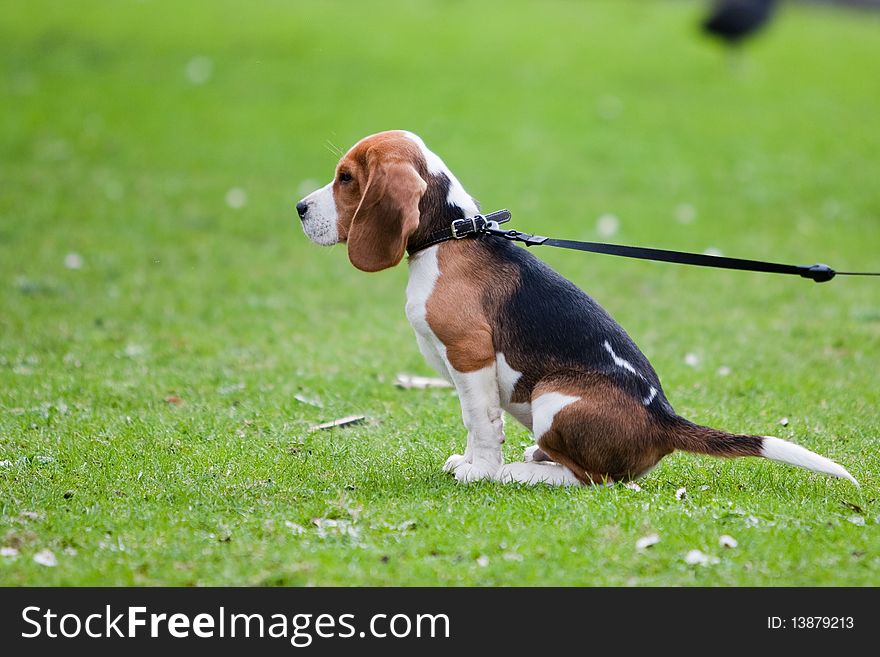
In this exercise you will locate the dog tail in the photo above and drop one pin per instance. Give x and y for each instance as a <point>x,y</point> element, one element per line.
<point>691,437</point>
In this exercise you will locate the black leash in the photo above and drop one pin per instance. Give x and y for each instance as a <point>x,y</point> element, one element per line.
<point>490,225</point>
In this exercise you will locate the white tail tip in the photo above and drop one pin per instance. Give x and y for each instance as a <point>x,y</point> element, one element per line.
<point>783,451</point>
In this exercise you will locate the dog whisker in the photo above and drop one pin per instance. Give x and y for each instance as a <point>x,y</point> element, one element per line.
<point>333,148</point>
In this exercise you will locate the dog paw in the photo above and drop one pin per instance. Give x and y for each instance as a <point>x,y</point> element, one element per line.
<point>453,462</point>
<point>532,473</point>
<point>517,472</point>
<point>470,472</point>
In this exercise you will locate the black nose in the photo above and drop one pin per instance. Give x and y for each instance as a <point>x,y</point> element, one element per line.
<point>301,209</point>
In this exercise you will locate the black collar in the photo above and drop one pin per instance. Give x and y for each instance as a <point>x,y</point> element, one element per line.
<point>461,228</point>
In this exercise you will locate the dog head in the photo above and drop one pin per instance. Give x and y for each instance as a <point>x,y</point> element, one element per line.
<point>382,188</point>
<point>372,204</point>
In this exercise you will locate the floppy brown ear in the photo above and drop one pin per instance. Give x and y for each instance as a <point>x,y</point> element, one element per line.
<point>387,215</point>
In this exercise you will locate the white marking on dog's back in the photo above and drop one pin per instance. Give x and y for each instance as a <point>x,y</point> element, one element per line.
<point>457,195</point>
<point>620,362</point>
<point>783,451</point>
<point>545,408</point>
<point>625,364</point>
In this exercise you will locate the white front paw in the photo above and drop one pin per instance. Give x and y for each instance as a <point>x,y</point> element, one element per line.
<point>453,462</point>
<point>468,472</point>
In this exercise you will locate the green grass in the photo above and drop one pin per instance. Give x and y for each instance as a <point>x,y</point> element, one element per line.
<point>561,111</point>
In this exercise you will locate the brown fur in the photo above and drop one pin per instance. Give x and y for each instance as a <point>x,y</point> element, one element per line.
<point>463,305</point>
<point>692,437</point>
<point>606,435</point>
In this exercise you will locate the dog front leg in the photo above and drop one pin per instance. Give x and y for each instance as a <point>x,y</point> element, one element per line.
<point>482,416</point>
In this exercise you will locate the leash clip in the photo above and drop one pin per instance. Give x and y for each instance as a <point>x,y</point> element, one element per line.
<point>532,240</point>
<point>514,235</point>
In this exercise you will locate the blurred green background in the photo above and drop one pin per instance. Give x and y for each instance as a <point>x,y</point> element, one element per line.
<point>168,335</point>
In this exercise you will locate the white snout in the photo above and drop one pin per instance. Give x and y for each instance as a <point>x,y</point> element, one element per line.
<point>319,219</point>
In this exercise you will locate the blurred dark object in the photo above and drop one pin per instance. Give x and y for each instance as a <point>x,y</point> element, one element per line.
<point>734,20</point>
<point>858,4</point>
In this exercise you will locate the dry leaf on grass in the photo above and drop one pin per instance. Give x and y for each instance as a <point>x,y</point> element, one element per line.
<point>341,422</point>
<point>311,401</point>
<point>410,381</point>
<point>46,558</point>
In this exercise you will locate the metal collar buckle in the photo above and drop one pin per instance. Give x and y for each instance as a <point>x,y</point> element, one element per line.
<point>456,225</point>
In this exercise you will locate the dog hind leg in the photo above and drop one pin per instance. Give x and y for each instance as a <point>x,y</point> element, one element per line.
<point>597,430</point>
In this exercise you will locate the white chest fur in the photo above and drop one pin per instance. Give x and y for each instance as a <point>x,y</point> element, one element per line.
<point>423,274</point>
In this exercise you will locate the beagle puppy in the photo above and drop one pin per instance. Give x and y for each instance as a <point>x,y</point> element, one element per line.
<point>510,333</point>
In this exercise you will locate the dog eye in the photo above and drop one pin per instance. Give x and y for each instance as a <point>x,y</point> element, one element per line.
<point>344,177</point>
